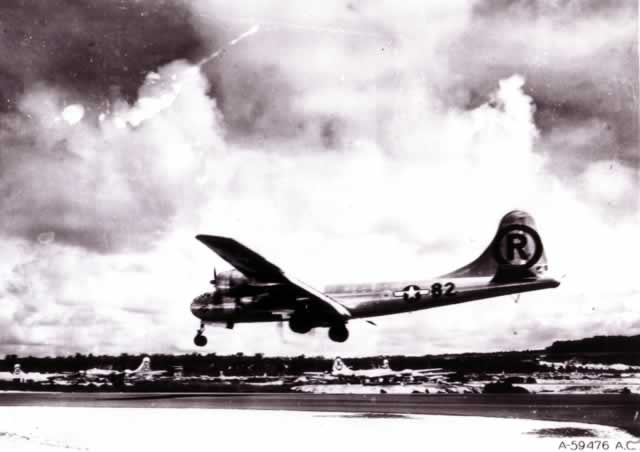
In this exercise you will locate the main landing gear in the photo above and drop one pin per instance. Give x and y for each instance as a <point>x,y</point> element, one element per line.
<point>302,324</point>
<point>200,340</point>
<point>338,333</point>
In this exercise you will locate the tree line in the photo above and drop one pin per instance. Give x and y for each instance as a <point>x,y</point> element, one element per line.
<point>599,349</point>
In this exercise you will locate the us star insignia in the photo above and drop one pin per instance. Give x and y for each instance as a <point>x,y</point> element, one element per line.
<point>411,292</point>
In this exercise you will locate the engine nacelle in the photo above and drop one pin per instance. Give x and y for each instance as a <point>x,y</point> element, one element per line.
<point>231,292</point>
<point>228,280</point>
<point>208,307</point>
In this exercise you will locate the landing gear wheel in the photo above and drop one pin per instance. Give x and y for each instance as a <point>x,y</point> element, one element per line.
<point>200,340</point>
<point>299,324</point>
<point>338,333</point>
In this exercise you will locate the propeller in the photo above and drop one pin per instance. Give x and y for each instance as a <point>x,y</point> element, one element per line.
<point>281,332</point>
<point>217,299</point>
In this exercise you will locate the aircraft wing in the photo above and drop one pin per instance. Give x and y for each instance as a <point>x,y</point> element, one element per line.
<point>7,376</point>
<point>249,262</point>
<point>435,370</point>
<point>254,266</point>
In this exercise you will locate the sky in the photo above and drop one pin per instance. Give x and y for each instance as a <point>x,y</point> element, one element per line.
<point>346,141</point>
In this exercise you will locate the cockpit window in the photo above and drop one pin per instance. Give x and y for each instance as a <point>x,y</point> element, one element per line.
<point>204,297</point>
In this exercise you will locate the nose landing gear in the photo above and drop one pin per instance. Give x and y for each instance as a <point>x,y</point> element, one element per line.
<point>200,340</point>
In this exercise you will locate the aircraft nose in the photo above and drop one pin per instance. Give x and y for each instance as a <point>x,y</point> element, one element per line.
<point>197,306</point>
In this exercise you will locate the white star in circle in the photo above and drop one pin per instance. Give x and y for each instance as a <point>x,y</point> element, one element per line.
<point>412,293</point>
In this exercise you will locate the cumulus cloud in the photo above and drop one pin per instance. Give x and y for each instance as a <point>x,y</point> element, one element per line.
<point>107,185</point>
<point>345,142</point>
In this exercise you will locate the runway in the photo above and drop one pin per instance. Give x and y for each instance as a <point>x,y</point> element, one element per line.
<point>621,411</point>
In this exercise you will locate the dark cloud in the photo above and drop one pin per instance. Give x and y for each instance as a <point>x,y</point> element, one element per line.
<point>535,9</point>
<point>580,61</point>
<point>257,97</point>
<point>95,49</point>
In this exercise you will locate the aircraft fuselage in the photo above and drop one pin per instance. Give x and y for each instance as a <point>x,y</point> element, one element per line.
<point>363,300</point>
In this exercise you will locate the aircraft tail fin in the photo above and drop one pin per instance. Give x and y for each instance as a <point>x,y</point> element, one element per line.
<point>515,254</point>
<point>18,375</point>
<point>144,367</point>
<point>339,366</point>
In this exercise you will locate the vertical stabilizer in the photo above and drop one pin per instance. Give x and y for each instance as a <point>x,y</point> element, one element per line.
<point>144,367</point>
<point>339,367</point>
<point>515,254</point>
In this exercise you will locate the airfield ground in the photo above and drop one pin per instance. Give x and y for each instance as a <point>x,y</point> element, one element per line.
<point>107,429</point>
<point>621,411</point>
